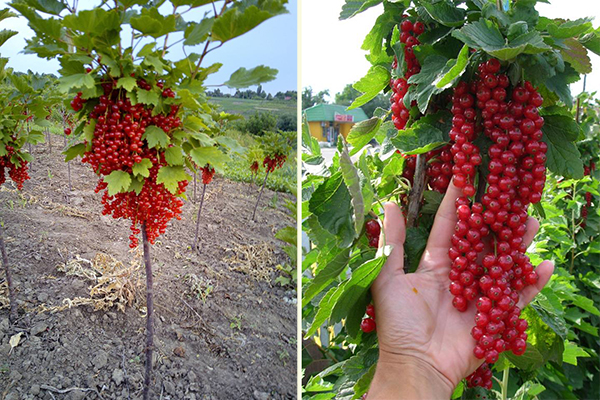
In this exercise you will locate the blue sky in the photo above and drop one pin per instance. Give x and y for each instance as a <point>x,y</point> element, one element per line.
<point>273,43</point>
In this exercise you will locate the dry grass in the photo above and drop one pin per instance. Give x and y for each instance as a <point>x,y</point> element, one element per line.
<point>253,260</point>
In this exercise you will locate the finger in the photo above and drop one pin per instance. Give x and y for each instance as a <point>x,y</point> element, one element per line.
<point>544,271</point>
<point>532,227</point>
<point>445,220</point>
<point>395,234</point>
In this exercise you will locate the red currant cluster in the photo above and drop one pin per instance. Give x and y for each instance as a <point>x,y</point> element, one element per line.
<point>373,230</point>
<point>400,85</point>
<point>77,102</point>
<point>587,170</point>
<point>368,324</point>
<point>274,161</point>
<point>207,174</point>
<point>516,178</point>
<point>118,145</point>
<point>18,174</point>
<point>254,167</point>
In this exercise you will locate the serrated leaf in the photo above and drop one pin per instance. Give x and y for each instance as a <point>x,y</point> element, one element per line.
<point>127,83</point>
<point>243,77</point>
<point>331,204</point>
<point>151,22</point>
<point>20,83</point>
<point>117,181</point>
<point>456,68</point>
<point>444,12</point>
<point>174,155</point>
<point>136,186</point>
<point>356,287</point>
<point>237,21</point>
<point>209,155</point>
<point>562,29</point>
<point>142,168</point>
<point>362,133</point>
<point>434,68</point>
<point>353,7</point>
<point>156,137</point>
<point>230,143</point>
<point>53,7</point>
<point>331,262</point>
<point>324,309</point>
<point>419,139</point>
<point>576,55</point>
<point>74,151</point>
<point>5,35</point>
<point>370,85</point>
<point>198,33</point>
<point>572,352</point>
<point>171,176</point>
<point>147,97</point>
<point>562,156</point>
<point>65,83</point>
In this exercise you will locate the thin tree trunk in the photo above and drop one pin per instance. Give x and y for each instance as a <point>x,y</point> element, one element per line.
<point>260,194</point>
<point>68,169</point>
<point>149,313</point>
<point>416,194</point>
<point>195,179</point>
<point>49,141</point>
<point>198,218</point>
<point>12,316</point>
<point>30,153</point>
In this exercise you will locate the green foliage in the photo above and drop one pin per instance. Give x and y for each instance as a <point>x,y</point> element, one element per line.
<point>562,355</point>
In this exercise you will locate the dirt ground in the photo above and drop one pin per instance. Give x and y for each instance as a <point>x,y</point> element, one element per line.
<point>224,329</point>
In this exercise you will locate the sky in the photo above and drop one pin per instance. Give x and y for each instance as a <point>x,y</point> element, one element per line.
<point>272,43</point>
<point>331,54</point>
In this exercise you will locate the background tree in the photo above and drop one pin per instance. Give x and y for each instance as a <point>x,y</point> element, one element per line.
<point>349,94</point>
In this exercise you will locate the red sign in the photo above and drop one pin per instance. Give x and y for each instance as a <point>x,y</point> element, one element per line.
<point>343,117</point>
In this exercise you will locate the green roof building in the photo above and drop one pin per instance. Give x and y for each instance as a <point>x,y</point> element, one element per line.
<point>327,121</point>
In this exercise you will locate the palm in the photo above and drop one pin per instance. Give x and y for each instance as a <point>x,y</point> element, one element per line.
<point>414,312</point>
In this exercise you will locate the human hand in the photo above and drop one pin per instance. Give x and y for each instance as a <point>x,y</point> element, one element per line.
<point>421,335</point>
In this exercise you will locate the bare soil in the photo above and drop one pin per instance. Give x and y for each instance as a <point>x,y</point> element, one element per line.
<point>233,336</point>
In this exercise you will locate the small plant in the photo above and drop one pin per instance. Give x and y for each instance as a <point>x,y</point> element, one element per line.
<point>50,176</point>
<point>236,322</point>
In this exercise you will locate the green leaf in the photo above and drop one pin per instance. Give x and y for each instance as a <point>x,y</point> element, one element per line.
<point>209,155</point>
<point>151,22</point>
<point>156,137</point>
<point>576,55</point>
<point>563,158</point>
<point>370,85</point>
<point>416,240</point>
<point>362,133</point>
<point>230,143</point>
<point>572,352</point>
<point>65,83</point>
<point>136,186</point>
<point>550,315</point>
<point>456,68</point>
<point>356,287</point>
<point>198,33</point>
<point>20,83</point>
<point>53,7</point>
<point>364,382</point>
<point>591,41</point>
<point>74,151</point>
<point>383,25</point>
<point>434,68</point>
<point>335,262</point>
<point>331,203</point>
<point>353,7</point>
<point>561,29</point>
<point>171,176</point>
<point>352,181</point>
<point>243,77</point>
<point>127,83</point>
<point>237,20</point>
<point>142,168</point>
<point>147,97</point>
<point>325,308</point>
<point>485,35</point>
<point>92,22</point>
<point>174,155</point>
<point>444,12</point>
<point>117,181</point>
<point>5,35</point>
<point>529,361</point>
<point>585,304</point>
<point>419,139</point>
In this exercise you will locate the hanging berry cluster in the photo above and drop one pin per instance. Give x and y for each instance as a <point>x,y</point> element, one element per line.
<point>207,174</point>
<point>17,173</point>
<point>117,145</point>
<point>410,31</point>
<point>516,178</point>
<point>273,161</point>
<point>254,167</point>
<point>587,170</point>
<point>372,230</point>
<point>368,324</point>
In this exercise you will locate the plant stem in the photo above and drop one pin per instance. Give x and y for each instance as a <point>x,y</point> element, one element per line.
<point>198,218</point>
<point>12,316</point>
<point>260,194</point>
<point>195,184</point>
<point>49,142</point>
<point>573,234</point>
<point>149,313</point>
<point>416,194</point>
<point>505,376</point>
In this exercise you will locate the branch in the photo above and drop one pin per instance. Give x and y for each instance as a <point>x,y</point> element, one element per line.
<point>416,193</point>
